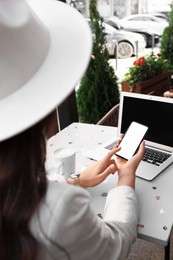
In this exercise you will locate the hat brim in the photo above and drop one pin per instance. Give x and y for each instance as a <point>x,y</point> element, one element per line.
<point>66,62</point>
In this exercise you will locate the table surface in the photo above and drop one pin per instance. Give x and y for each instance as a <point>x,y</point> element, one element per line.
<point>155,197</point>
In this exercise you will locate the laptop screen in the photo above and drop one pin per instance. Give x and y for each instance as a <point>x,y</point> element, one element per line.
<point>153,111</point>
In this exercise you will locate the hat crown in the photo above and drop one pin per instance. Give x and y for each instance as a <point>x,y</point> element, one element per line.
<point>13,13</point>
<point>24,44</point>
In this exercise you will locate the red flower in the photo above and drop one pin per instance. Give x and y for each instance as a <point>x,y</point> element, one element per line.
<point>135,63</point>
<point>139,62</point>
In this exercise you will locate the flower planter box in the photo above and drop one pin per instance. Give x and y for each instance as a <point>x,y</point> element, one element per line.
<point>155,86</point>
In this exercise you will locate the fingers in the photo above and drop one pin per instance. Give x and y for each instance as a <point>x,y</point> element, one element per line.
<point>138,156</point>
<point>112,161</point>
<point>141,150</point>
<point>118,141</point>
<point>121,136</point>
<point>112,152</point>
<point>111,169</point>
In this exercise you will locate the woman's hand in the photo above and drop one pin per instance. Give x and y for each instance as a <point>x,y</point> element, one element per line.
<point>127,169</point>
<point>98,171</point>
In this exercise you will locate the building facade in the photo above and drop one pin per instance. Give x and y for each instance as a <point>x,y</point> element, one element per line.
<point>122,8</point>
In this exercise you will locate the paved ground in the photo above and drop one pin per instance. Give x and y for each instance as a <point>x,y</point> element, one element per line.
<point>143,250</point>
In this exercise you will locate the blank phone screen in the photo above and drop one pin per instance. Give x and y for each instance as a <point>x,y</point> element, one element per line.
<point>131,140</point>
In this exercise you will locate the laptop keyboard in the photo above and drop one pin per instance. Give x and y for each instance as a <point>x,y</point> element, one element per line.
<point>151,155</point>
<point>154,156</point>
<point>110,146</point>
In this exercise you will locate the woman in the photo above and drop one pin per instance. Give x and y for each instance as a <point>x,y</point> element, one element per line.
<point>40,219</point>
<point>61,218</point>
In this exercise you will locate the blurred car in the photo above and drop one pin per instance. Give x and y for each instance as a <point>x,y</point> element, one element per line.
<point>127,43</point>
<point>150,37</point>
<point>160,15</point>
<point>144,21</point>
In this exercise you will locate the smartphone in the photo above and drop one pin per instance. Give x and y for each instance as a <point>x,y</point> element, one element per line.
<point>131,140</point>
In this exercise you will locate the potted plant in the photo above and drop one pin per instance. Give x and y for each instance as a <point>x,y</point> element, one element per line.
<point>150,74</point>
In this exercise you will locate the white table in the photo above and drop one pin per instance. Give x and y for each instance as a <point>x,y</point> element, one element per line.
<point>155,197</point>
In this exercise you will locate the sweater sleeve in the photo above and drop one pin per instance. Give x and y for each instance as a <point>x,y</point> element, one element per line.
<point>121,214</point>
<point>84,235</point>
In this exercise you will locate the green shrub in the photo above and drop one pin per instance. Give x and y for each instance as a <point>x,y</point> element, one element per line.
<point>166,46</point>
<point>98,91</point>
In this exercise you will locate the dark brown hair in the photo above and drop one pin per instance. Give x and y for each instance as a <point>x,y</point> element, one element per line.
<point>22,186</point>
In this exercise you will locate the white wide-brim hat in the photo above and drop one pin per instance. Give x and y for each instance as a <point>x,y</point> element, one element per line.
<point>45,47</point>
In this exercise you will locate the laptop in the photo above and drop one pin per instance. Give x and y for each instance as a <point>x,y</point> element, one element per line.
<point>156,112</point>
